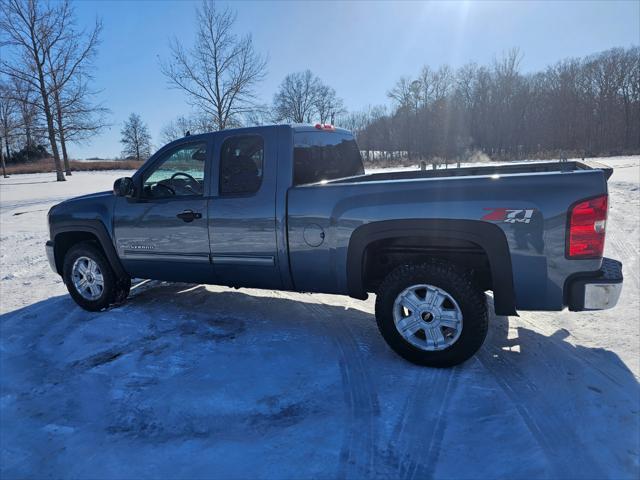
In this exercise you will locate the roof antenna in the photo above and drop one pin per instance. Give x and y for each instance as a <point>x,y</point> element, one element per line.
<point>187,133</point>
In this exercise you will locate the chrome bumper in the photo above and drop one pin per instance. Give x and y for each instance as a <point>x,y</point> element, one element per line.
<point>600,296</point>
<point>599,291</point>
<point>51,256</point>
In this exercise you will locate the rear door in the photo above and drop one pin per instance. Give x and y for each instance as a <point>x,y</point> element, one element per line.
<point>242,213</point>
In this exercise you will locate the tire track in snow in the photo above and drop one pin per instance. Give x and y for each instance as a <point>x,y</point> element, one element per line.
<point>420,429</point>
<point>426,469</point>
<point>358,454</point>
<point>543,417</point>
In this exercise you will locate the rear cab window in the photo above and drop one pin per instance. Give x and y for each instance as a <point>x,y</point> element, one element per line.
<point>319,156</point>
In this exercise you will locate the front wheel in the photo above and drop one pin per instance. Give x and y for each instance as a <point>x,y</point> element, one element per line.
<point>91,281</point>
<point>432,314</point>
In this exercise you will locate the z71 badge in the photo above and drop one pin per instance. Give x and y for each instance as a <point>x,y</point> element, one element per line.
<point>509,215</point>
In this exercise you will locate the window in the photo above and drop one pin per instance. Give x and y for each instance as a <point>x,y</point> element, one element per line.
<point>241,160</point>
<point>325,156</point>
<point>180,173</point>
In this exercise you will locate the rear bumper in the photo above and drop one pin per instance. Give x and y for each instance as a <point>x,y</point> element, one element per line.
<point>49,248</point>
<point>596,291</point>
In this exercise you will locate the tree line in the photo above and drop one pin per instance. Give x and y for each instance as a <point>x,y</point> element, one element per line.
<point>583,106</point>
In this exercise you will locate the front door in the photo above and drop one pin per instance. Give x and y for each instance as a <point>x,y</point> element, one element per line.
<point>162,233</point>
<point>242,216</point>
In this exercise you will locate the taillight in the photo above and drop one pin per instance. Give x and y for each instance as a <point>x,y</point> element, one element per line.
<point>325,126</point>
<point>587,223</point>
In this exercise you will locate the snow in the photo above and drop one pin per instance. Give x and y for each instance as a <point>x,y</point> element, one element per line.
<point>193,381</point>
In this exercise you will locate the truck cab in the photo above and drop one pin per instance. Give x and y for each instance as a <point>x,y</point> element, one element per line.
<point>212,208</point>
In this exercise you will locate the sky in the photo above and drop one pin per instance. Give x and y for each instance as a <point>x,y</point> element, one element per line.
<point>359,48</point>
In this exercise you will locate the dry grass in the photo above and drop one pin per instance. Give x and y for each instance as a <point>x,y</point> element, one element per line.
<point>47,165</point>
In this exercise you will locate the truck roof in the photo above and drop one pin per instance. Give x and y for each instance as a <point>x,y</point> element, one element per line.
<point>306,127</point>
<point>296,127</point>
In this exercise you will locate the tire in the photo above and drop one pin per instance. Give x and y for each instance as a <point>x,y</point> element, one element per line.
<point>462,299</point>
<point>97,295</point>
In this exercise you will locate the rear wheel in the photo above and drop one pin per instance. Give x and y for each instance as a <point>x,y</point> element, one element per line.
<point>432,314</point>
<point>91,281</point>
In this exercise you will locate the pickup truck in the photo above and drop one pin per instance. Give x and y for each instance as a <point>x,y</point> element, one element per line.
<point>289,207</point>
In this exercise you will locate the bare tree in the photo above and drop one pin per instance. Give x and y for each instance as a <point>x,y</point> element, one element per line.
<point>135,138</point>
<point>260,115</point>
<point>297,98</point>
<point>219,74</point>
<point>328,104</point>
<point>26,98</point>
<point>406,93</point>
<point>175,129</point>
<point>8,120</point>
<point>81,119</point>
<point>33,29</point>
<point>2,162</point>
<point>184,125</point>
<point>303,97</point>
<point>68,62</point>
<point>20,122</point>
<point>8,124</point>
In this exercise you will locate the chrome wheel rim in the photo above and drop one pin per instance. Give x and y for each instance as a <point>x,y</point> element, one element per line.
<point>87,278</point>
<point>427,317</point>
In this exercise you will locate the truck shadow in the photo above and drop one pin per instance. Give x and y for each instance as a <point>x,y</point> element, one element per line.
<point>180,363</point>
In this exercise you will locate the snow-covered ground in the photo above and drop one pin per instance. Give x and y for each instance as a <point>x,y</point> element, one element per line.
<point>191,381</point>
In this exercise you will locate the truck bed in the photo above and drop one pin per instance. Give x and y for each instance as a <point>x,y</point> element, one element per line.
<point>536,248</point>
<point>514,169</point>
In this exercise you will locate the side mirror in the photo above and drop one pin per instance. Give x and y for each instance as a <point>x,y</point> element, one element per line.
<point>123,187</point>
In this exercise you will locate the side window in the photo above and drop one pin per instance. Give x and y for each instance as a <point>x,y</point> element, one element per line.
<point>180,173</point>
<point>241,161</point>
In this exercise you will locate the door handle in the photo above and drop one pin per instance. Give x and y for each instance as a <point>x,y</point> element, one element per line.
<point>189,216</point>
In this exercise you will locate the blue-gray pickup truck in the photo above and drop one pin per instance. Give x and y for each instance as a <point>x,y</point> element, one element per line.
<point>289,207</point>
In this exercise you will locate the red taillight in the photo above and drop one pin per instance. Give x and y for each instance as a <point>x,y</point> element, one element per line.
<point>587,222</point>
<point>325,126</point>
